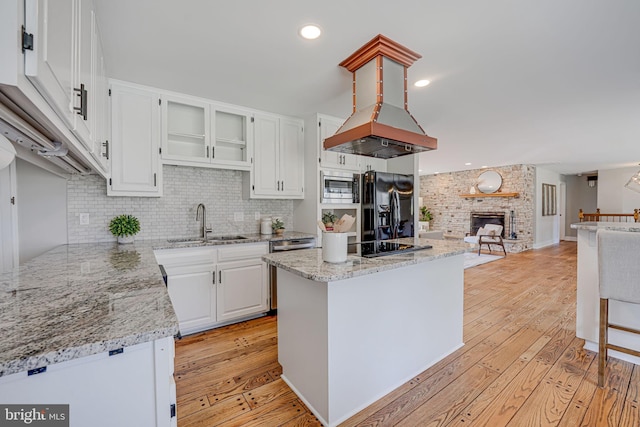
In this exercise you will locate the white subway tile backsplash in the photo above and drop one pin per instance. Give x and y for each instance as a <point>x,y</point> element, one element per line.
<point>174,214</point>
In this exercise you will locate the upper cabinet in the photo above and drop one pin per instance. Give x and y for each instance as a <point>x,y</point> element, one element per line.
<point>66,66</point>
<point>279,158</point>
<point>136,169</point>
<point>200,133</point>
<point>330,159</point>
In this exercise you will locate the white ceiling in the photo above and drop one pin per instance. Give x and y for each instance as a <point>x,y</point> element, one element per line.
<point>549,82</point>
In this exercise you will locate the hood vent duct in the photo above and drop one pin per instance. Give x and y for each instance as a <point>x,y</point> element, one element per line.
<point>380,125</point>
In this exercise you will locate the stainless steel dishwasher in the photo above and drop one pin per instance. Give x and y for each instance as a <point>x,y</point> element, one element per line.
<point>280,246</point>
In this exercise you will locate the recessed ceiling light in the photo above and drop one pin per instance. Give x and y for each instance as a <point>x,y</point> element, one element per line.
<point>421,83</point>
<point>467,164</point>
<point>436,173</point>
<point>484,167</point>
<point>310,31</point>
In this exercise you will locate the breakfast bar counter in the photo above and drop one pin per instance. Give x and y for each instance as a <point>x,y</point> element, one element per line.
<point>588,294</point>
<point>350,333</point>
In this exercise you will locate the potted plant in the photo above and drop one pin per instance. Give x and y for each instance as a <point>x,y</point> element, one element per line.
<point>425,217</point>
<point>277,226</point>
<point>124,227</point>
<point>328,218</point>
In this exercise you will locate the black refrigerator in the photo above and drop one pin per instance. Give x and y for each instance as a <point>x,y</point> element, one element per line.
<point>387,206</point>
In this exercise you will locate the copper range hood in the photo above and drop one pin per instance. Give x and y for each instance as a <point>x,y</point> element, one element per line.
<point>380,125</point>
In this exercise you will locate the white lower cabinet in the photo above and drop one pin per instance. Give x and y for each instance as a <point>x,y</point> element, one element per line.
<point>135,383</point>
<point>210,286</point>
<point>241,289</point>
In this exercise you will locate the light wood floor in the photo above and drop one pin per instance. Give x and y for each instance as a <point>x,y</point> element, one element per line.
<point>521,364</point>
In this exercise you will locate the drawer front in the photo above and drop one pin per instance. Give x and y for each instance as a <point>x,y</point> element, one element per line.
<point>185,256</point>
<point>242,251</point>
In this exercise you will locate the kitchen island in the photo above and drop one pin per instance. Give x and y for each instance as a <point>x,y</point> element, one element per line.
<point>350,333</point>
<point>588,294</point>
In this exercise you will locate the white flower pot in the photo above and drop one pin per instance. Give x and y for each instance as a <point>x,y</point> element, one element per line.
<point>424,225</point>
<point>125,239</point>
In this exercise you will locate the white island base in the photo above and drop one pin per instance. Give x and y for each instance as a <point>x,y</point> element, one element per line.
<point>345,344</point>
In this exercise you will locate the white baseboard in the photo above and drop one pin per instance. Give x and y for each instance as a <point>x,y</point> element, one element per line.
<point>570,238</point>
<point>544,244</point>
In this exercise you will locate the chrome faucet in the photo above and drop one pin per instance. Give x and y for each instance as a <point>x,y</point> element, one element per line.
<point>203,225</point>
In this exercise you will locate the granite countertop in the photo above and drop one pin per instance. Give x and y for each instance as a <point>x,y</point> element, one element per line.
<point>308,263</point>
<point>83,299</point>
<point>616,226</point>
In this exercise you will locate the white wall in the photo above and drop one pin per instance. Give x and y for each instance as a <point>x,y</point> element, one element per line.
<point>42,210</point>
<point>613,196</point>
<point>546,228</point>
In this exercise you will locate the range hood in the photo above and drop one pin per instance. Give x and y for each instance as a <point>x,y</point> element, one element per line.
<point>380,125</point>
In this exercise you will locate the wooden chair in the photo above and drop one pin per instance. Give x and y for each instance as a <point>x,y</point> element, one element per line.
<point>490,234</point>
<point>619,274</point>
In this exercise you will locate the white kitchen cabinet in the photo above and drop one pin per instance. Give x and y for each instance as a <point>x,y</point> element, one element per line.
<point>372,164</point>
<point>193,294</point>
<point>211,287</point>
<point>330,159</point>
<point>198,133</point>
<point>232,142</point>
<point>136,168</point>
<point>185,130</point>
<point>99,109</point>
<point>242,281</point>
<point>50,64</point>
<point>61,64</point>
<point>242,289</point>
<point>137,382</point>
<point>278,170</point>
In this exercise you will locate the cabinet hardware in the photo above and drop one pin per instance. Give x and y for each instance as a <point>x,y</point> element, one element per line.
<point>159,101</point>
<point>27,40</point>
<point>109,181</point>
<point>36,371</point>
<point>109,92</point>
<point>160,151</point>
<point>282,185</point>
<point>106,149</point>
<point>172,410</point>
<point>207,152</point>
<point>155,183</point>
<point>252,119</point>
<point>214,277</point>
<point>116,351</point>
<point>82,109</point>
<point>220,277</point>
<point>213,152</point>
<point>13,200</point>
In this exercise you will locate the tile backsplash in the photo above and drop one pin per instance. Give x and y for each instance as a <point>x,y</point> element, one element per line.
<point>174,214</point>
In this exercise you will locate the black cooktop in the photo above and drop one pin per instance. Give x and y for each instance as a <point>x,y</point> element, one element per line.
<point>376,249</point>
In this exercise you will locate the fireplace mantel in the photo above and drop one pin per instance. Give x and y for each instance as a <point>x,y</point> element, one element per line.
<point>482,195</point>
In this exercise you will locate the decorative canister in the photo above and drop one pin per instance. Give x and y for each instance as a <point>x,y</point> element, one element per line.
<point>334,247</point>
<point>265,226</point>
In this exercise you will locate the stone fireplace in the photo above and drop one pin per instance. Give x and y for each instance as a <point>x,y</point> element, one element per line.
<point>480,219</point>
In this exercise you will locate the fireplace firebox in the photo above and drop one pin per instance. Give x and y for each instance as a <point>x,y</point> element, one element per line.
<point>480,219</point>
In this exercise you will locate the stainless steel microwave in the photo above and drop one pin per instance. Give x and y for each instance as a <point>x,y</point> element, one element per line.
<point>339,187</point>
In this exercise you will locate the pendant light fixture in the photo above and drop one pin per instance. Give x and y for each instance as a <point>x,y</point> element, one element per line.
<point>634,182</point>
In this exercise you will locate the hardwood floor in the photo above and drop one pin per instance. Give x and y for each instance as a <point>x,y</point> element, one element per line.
<point>521,364</point>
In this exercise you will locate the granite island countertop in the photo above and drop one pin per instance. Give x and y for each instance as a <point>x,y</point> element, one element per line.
<point>83,299</point>
<point>616,226</point>
<point>308,263</point>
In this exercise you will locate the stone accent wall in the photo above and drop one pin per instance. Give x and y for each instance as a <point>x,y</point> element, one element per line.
<point>451,213</point>
<point>174,214</point>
